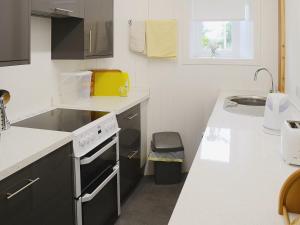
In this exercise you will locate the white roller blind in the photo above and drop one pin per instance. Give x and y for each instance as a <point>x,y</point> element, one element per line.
<point>218,10</point>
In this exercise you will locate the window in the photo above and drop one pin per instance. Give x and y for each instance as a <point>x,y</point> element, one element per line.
<point>223,30</point>
<point>222,39</point>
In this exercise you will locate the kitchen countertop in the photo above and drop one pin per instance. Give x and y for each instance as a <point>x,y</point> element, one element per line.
<point>114,104</point>
<point>236,176</point>
<point>20,147</point>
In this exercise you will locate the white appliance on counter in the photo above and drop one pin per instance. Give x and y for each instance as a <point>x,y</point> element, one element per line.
<point>75,86</point>
<point>290,142</point>
<point>276,111</point>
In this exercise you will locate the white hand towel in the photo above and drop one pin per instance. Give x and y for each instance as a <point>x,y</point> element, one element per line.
<point>137,37</point>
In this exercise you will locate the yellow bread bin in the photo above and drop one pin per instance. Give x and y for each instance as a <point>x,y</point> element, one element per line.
<point>110,83</point>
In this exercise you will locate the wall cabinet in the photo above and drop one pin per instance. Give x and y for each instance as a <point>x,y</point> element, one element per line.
<point>92,37</point>
<point>40,194</point>
<point>14,32</point>
<point>130,150</point>
<point>58,8</point>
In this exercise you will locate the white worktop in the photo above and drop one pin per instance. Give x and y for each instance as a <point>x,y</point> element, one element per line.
<point>19,147</point>
<point>114,104</point>
<point>236,175</point>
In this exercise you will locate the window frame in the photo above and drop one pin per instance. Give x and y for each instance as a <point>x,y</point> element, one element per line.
<point>186,37</point>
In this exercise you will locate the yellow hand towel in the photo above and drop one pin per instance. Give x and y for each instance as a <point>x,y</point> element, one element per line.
<point>161,38</point>
<point>296,222</point>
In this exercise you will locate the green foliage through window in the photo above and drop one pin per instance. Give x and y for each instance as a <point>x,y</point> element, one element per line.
<point>216,35</point>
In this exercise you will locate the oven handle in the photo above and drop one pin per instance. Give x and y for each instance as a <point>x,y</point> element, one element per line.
<point>88,160</point>
<point>89,197</point>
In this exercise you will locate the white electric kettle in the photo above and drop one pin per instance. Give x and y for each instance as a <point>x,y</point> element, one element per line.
<point>276,111</point>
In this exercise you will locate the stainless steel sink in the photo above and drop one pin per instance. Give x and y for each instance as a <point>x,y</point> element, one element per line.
<point>248,100</point>
<point>246,104</point>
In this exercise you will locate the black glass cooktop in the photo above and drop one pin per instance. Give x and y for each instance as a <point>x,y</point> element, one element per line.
<point>67,120</point>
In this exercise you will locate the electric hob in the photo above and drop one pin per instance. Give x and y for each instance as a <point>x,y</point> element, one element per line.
<point>67,120</point>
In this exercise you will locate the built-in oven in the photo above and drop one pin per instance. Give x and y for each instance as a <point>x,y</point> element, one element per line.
<point>97,189</point>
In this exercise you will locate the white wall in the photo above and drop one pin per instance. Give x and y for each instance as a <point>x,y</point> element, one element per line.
<point>33,86</point>
<point>182,96</point>
<point>293,49</point>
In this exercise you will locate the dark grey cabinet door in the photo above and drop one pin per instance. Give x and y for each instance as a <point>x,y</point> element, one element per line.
<point>17,199</point>
<point>73,8</point>
<point>41,7</point>
<point>54,191</point>
<point>14,32</point>
<point>91,37</point>
<point>130,150</point>
<point>41,193</point>
<point>98,28</point>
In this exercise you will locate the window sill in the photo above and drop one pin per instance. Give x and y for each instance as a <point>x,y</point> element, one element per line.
<point>219,61</point>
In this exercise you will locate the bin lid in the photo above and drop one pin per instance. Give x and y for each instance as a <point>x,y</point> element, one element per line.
<point>167,142</point>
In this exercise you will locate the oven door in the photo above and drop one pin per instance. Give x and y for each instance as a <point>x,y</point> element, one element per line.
<point>98,162</point>
<point>100,203</point>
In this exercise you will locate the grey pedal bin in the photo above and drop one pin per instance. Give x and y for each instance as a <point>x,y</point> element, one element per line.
<point>168,155</point>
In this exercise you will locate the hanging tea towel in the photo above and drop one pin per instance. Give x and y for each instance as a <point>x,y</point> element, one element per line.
<point>161,38</point>
<point>137,37</point>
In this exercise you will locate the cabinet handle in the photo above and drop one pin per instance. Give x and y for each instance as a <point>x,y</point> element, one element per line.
<point>132,154</point>
<point>90,37</point>
<point>58,10</point>
<point>31,182</point>
<point>132,116</point>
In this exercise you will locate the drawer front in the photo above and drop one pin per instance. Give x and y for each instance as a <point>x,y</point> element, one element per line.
<point>130,118</point>
<point>17,199</point>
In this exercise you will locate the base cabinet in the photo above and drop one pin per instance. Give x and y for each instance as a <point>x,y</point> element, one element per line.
<point>17,209</point>
<point>130,150</point>
<point>41,193</point>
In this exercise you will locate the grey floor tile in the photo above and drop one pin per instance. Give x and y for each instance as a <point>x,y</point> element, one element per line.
<point>150,204</point>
